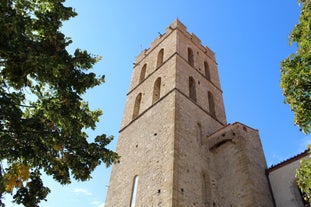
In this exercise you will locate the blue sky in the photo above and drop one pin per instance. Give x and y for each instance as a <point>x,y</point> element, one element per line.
<point>249,38</point>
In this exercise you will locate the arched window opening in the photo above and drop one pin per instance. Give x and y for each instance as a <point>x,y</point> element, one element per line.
<point>211,104</point>
<point>134,191</point>
<point>192,90</point>
<point>190,56</point>
<point>160,57</point>
<point>142,73</point>
<point>137,106</point>
<point>156,90</point>
<point>207,71</point>
<point>199,134</point>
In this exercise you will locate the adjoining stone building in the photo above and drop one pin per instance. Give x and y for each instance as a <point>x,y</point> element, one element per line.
<point>176,147</point>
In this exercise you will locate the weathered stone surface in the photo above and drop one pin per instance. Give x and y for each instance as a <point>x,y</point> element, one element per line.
<point>180,145</point>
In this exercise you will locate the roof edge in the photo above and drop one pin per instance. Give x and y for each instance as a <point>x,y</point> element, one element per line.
<point>288,161</point>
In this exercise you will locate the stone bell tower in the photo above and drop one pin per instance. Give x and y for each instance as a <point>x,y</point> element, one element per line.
<point>176,147</point>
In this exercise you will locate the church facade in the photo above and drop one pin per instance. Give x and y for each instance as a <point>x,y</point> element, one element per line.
<point>176,147</point>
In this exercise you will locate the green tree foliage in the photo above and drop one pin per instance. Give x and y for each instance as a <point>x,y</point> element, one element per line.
<point>296,70</point>
<point>303,175</point>
<point>42,115</point>
<point>296,85</point>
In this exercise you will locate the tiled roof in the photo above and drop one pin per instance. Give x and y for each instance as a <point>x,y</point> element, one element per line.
<point>288,161</point>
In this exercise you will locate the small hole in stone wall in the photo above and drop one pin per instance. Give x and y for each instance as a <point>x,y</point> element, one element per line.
<point>233,134</point>
<point>199,82</point>
<point>223,135</point>
<point>244,128</point>
<point>182,190</point>
<point>155,134</point>
<point>159,191</point>
<point>214,183</point>
<point>136,145</point>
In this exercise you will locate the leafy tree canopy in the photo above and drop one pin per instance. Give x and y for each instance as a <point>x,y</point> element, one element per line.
<point>296,85</point>
<point>296,70</point>
<point>42,114</point>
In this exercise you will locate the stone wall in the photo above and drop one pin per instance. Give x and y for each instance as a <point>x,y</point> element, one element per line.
<point>239,166</point>
<point>192,185</point>
<point>146,150</point>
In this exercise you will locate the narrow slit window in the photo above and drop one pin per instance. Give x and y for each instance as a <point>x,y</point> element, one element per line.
<point>142,73</point>
<point>199,134</point>
<point>160,57</point>
<point>207,71</point>
<point>204,190</point>
<point>190,56</point>
<point>156,90</point>
<point>211,104</point>
<point>137,105</point>
<point>134,191</point>
<point>192,89</point>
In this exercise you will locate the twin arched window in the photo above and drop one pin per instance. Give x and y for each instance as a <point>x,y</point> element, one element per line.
<point>144,68</point>
<point>192,96</point>
<point>155,96</point>
<point>206,66</point>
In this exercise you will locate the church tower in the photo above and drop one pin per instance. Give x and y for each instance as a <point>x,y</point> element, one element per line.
<point>176,147</point>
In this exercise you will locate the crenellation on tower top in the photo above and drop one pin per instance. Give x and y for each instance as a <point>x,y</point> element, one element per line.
<point>195,39</point>
<point>176,24</point>
<point>209,53</point>
<point>158,40</point>
<point>198,43</point>
<point>140,56</point>
<point>153,45</point>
